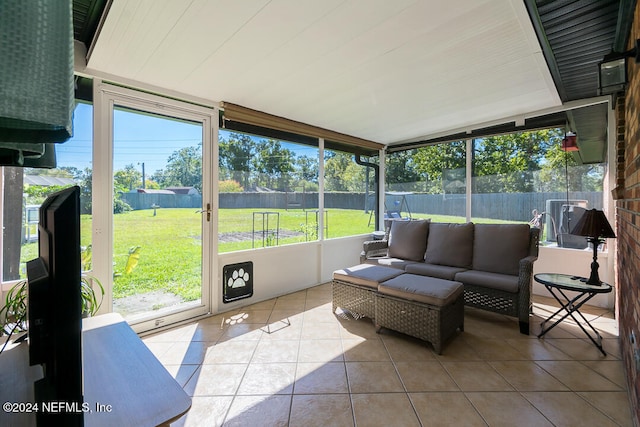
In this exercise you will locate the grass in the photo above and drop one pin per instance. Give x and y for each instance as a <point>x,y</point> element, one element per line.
<point>171,245</point>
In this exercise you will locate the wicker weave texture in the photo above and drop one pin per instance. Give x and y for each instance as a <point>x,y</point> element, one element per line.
<point>426,322</point>
<point>358,300</point>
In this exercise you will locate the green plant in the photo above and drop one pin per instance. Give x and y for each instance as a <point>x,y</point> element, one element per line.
<point>13,316</point>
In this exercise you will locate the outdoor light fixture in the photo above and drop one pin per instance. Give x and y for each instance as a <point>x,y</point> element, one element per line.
<point>595,226</point>
<point>612,75</point>
<point>570,142</point>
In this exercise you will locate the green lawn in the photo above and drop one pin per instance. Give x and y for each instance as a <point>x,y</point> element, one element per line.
<point>170,242</point>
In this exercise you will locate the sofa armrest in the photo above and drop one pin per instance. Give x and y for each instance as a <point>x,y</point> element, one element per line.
<point>374,248</point>
<point>524,289</point>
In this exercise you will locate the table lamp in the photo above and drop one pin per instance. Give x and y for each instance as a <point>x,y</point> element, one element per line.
<point>595,226</point>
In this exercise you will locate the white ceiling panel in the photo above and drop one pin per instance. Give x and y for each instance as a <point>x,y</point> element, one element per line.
<point>388,71</point>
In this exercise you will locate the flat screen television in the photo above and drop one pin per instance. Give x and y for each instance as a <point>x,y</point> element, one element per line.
<point>54,311</point>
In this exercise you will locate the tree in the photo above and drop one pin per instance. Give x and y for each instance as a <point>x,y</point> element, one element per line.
<point>506,163</point>
<point>401,173</point>
<point>127,179</point>
<point>184,169</point>
<point>438,164</point>
<point>273,162</point>
<point>235,158</point>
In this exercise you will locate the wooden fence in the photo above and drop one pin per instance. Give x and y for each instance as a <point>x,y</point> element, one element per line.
<point>506,206</point>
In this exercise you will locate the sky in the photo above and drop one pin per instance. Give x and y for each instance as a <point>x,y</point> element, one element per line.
<point>139,138</point>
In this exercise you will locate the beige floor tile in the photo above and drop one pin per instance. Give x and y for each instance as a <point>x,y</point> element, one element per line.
<point>527,376</point>
<point>268,378</point>
<point>233,351</point>
<point>610,369</point>
<point>290,361</point>
<point>577,376</point>
<point>250,316</point>
<point>271,351</point>
<point>580,349</point>
<point>316,330</point>
<point>242,331</point>
<point>186,352</point>
<point>538,349</point>
<point>614,404</point>
<point>407,349</point>
<point>373,377</point>
<point>328,410</point>
<point>319,311</point>
<point>458,349</point>
<point>315,378</point>
<point>446,409</point>
<point>216,380</point>
<point>507,409</point>
<point>320,351</point>
<point>492,348</point>
<point>182,373</point>
<point>386,409</point>
<point>285,329</point>
<point>425,376</point>
<point>259,411</point>
<point>354,329</point>
<point>567,409</point>
<point>476,376</point>
<point>205,411</point>
<point>365,351</point>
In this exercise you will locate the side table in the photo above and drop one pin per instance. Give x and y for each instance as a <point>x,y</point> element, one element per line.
<point>557,284</point>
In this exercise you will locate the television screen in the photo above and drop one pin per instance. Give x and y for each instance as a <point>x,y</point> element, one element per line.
<point>55,311</point>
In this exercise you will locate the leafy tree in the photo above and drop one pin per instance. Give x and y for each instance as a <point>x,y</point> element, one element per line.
<point>273,161</point>
<point>184,169</point>
<point>306,169</point>
<point>342,173</point>
<point>401,172</point>
<point>236,154</point>
<point>128,178</point>
<point>438,163</point>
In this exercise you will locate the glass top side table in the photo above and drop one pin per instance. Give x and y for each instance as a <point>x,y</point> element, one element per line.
<point>557,284</point>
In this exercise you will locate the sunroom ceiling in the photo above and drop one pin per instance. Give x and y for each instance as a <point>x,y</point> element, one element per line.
<point>387,71</point>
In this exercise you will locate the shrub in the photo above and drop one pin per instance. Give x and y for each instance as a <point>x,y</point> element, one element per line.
<point>229,186</point>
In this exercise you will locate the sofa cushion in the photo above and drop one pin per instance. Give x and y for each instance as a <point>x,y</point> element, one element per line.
<point>408,239</point>
<point>502,282</point>
<point>366,274</point>
<point>433,270</point>
<point>427,290</point>
<point>450,244</point>
<point>387,261</point>
<point>498,248</point>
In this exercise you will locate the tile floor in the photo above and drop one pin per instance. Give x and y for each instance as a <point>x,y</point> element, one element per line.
<point>290,361</point>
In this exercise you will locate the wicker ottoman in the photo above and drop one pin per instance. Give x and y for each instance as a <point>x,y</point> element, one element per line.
<point>354,288</point>
<point>424,307</point>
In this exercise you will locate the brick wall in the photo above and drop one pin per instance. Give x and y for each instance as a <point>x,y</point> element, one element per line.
<point>628,220</point>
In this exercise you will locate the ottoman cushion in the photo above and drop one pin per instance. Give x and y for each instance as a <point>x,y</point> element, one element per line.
<point>427,290</point>
<point>366,274</point>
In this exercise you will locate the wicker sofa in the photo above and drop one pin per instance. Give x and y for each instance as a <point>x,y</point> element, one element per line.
<point>494,262</point>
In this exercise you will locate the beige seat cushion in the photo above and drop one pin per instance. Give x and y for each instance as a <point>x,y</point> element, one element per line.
<point>366,274</point>
<point>427,290</point>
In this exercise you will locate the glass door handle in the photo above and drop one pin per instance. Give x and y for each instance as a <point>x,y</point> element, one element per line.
<point>207,210</point>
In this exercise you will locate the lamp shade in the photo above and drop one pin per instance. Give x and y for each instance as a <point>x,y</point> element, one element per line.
<point>593,223</point>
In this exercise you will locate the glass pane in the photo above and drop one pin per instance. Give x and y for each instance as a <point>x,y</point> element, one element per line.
<point>527,177</point>
<point>26,188</point>
<point>349,195</point>
<point>268,192</point>
<point>157,224</point>
<point>428,182</point>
